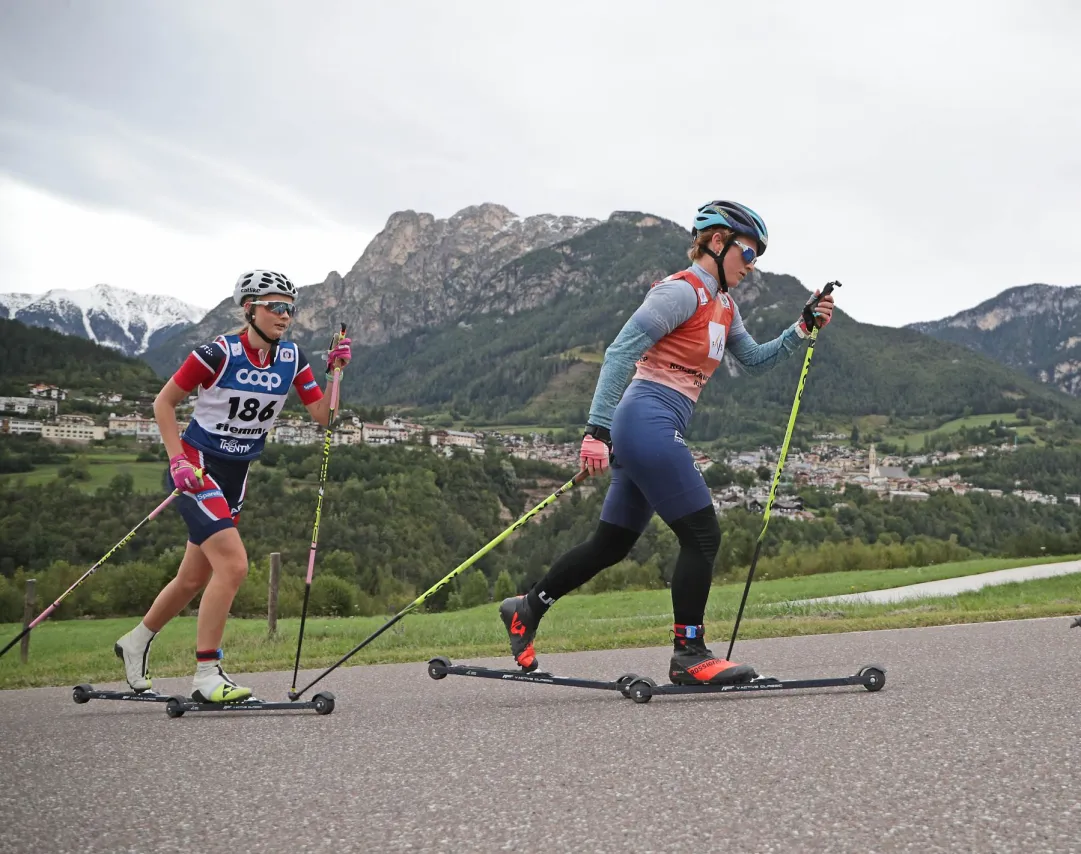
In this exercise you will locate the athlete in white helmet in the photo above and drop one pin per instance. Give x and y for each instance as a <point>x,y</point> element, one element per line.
<point>243,380</point>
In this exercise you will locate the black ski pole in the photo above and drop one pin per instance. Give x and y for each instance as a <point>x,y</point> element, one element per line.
<point>808,314</point>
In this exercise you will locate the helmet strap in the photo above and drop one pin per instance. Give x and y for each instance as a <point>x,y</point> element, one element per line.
<point>722,284</point>
<point>273,342</point>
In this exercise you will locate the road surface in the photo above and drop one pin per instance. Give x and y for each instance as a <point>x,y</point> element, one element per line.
<point>974,745</point>
<point>953,586</point>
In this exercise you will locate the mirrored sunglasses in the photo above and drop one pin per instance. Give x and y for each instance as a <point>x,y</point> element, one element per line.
<point>277,306</point>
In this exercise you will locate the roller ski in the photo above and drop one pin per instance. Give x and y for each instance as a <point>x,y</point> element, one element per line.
<point>179,705</point>
<point>213,690</point>
<point>84,693</point>
<point>133,649</point>
<point>642,689</point>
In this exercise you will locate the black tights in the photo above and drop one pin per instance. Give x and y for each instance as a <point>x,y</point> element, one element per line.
<point>699,537</point>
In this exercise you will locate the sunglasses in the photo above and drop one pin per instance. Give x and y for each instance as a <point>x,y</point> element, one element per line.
<point>747,253</point>
<point>278,307</point>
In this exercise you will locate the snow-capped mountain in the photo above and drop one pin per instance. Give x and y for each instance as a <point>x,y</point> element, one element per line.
<point>114,317</point>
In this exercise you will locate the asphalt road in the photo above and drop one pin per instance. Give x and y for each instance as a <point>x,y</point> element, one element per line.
<point>974,745</point>
<point>953,586</point>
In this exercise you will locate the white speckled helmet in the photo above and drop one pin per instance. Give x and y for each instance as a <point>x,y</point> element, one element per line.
<point>258,283</point>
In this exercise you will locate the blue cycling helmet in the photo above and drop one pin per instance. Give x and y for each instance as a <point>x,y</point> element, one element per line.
<point>739,218</point>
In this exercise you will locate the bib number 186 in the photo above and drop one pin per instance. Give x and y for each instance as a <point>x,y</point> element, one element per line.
<point>250,410</point>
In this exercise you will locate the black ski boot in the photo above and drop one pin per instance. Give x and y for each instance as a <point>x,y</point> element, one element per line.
<point>693,664</point>
<point>521,625</point>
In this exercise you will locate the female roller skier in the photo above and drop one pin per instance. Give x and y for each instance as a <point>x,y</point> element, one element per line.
<point>674,341</point>
<point>243,380</point>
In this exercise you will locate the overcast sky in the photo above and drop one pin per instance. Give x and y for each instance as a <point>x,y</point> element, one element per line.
<point>927,154</point>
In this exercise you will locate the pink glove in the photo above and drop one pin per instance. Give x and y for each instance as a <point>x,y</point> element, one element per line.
<point>186,477</point>
<point>594,455</point>
<point>341,354</point>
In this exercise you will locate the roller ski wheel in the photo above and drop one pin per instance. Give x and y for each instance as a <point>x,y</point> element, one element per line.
<point>174,708</point>
<point>874,677</point>
<point>437,667</point>
<point>323,703</point>
<point>81,693</point>
<point>641,689</point>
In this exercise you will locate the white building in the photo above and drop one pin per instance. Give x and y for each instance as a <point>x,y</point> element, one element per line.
<point>20,427</point>
<point>296,432</point>
<point>346,434</point>
<point>72,431</point>
<point>49,391</point>
<point>453,438</point>
<point>382,434</point>
<point>134,425</point>
<point>23,405</point>
<point>410,428</point>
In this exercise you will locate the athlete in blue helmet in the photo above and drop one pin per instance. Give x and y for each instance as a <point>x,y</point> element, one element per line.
<point>672,343</point>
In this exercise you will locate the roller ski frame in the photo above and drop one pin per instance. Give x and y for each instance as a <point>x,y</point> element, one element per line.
<point>85,693</point>
<point>177,705</point>
<point>642,689</point>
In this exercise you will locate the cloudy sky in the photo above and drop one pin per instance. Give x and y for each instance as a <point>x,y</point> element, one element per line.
<point>927,154</point>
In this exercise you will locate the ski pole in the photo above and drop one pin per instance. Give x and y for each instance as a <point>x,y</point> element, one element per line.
<point>439,585</point>
<point>808,313</point>
<point>44,614</point>
<point>319,501</point>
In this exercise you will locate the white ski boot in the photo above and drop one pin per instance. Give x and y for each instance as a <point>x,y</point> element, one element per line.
<point>134,650</point>
<point>213,685</point>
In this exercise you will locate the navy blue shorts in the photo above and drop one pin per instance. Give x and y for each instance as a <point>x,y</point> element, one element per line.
<point>652,467</point>
<point>217,505</point>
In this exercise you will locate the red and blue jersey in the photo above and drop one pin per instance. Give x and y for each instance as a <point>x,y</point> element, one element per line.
<point>241,394</point>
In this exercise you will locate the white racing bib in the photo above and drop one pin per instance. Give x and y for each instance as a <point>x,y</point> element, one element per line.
<point>233,416</point>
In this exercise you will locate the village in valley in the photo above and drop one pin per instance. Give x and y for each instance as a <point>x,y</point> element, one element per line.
<point>831,463</point>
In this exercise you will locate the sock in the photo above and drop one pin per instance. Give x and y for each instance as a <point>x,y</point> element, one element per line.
<point>142,635</point>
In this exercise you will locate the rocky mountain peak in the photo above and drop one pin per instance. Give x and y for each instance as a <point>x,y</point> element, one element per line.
<point>1031,327</point>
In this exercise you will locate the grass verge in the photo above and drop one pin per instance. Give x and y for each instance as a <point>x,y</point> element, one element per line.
<point>73,651</point>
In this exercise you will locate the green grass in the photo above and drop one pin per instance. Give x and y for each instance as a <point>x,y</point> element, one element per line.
<point>916,438</point>
<point>103,467</point>
<point>73,651</point>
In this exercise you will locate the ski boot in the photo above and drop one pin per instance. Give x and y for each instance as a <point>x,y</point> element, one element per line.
<point>134,650</point>
<point>521,625</point>
<point>213,685</point>
<point>693,664</point>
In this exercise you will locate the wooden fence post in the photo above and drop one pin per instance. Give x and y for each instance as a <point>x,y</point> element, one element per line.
<point>272,593</point>
<point>28,615</point>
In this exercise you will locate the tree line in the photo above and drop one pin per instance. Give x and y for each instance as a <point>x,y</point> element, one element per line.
<point>397,519</point>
